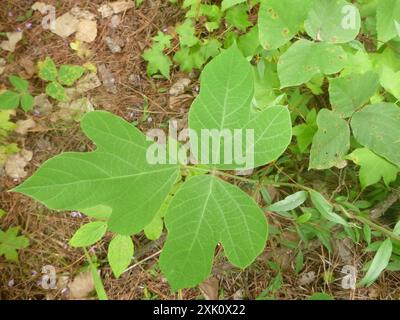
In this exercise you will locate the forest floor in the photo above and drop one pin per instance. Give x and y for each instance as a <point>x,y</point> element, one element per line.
<point>135,96</point>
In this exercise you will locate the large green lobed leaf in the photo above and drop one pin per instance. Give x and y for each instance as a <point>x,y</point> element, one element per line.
<point>224,103</point>
<point>116,175</point>
<point>205,211</point>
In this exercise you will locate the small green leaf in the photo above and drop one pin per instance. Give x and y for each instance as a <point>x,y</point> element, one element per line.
<point>186,32</point>
<point>320,296</point>
<point>88,234</point>
<point>325,208</point>
<point>373,167</point>
<point>56,91</point>
<point>27,102</point>
<point>2,213</point>
<point>47,70</point>
<point>290,202</point>
<point>9,100</point>
<point>305,59</point>
<point>68,75</point>
<point>10,243</point>
<point>157,61</point>
<point>154,230</point>
<point>331,142</point>
<point>120,254</point>
<point>19,84</point>
<point>379,263</point>
<point>238,17</point>
<point>226,4</point>
<point>396,229</point>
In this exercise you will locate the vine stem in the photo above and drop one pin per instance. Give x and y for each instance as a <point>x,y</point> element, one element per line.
<point>361,219</point>
<point>370,223</point>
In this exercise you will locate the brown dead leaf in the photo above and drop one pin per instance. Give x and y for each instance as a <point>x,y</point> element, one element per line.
<point>66,25</point>
<point>120,6</point>
<point>180,87</point>
<point>23,126</point>
<point>13,39</point>
<point>87,31</point>
<point>81,287</point>
<point>29,68</point>
<point>15,164</point>
<point>2,65</point>
<point>105,11</point>
<point>82,14</point>
<point>209,288</point>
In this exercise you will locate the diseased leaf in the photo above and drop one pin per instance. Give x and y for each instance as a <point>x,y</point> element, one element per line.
<point>68,75</point>
<point>88,234</point>
<point>373,168</point>
<point>120,254</point>
<point>305,59</point>
<point>206,210</point>
<point>333,21</point>
<point>56,91</point>
<point>349,93</point>
<point>379,263</point>
<point>47,70</point>
<point>280,20</point>
<point>290,202</point>
<point>377,127</point>
<point>224,103</point>
<point>9,100</point>
<point>116,175</point>
<point>331,142</point>
<point>325,208</point>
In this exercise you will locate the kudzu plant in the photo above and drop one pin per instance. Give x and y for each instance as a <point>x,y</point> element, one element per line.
<point>329,69</point>
<point>66,75</point>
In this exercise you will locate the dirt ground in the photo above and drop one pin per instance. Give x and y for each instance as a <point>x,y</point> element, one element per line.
<point>50,231</point>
